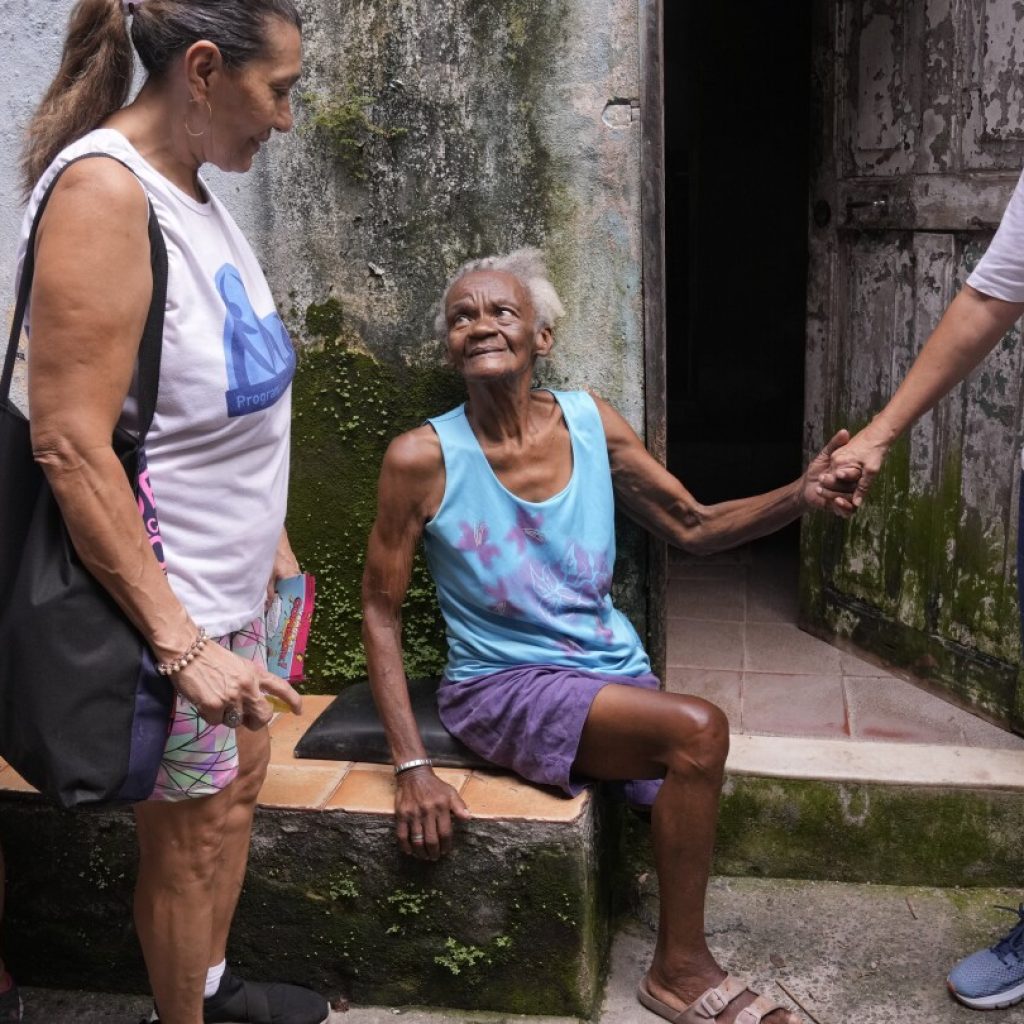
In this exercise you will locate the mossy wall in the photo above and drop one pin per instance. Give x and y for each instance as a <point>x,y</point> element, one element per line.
<point>429,134</point>
<point>852,832</point>
<point>514,920</point>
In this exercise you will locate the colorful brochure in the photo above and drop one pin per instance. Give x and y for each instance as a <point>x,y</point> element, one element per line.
<point>288,619</point>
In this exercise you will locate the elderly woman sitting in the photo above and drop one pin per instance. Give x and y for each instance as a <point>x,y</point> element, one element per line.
<point>514,496</point>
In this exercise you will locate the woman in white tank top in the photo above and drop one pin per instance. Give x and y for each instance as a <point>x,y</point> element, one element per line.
<point>219,77</point>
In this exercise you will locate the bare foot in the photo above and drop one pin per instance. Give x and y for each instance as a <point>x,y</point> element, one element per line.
<point>684,991</point>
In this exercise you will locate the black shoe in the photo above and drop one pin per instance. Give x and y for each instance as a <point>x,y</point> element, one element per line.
<point>254,1002</point>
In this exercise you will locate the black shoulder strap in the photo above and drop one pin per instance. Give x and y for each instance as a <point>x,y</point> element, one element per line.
<point>152,335</point>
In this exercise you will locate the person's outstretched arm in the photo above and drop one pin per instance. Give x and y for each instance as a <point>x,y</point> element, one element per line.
<point>967,332</point>
<point>409,492</point>
<point>661,504</point>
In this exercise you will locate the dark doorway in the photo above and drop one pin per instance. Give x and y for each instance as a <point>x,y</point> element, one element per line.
<point>737,112</point>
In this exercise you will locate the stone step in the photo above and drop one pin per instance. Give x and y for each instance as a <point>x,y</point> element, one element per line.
<point>516,920</point>
<point>899,813</point>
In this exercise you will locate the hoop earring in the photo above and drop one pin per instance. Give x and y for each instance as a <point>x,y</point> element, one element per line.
<point>209,111</point>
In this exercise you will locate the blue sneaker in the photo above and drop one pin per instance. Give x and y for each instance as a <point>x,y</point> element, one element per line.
<point>992,978</point>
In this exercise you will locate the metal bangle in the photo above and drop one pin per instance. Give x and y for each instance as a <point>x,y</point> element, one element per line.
<point>407,766</point>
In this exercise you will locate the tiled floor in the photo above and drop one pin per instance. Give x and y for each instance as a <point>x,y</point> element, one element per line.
<point>732,637</point>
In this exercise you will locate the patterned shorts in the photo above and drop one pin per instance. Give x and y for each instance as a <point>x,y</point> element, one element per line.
<point>201,759</point>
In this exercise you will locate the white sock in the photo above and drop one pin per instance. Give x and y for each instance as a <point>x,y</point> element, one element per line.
<point>213,976</point>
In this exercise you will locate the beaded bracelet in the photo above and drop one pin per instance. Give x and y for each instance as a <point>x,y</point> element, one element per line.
<point>168,668</point>
<point>407,766</point>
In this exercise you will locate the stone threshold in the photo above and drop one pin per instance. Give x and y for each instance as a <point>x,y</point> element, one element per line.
<point>859,761</point>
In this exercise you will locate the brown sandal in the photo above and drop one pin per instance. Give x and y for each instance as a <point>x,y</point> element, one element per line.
<point>710,1004</point>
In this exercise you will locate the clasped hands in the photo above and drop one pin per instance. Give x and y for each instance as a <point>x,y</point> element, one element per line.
<point>839,477</point>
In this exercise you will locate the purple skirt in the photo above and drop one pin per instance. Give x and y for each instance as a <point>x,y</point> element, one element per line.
<point>530,719</point>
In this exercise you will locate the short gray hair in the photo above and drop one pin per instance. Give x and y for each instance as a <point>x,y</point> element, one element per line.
<point>527,266</point>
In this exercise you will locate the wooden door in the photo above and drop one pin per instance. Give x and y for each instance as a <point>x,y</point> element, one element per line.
<point>920,138</point>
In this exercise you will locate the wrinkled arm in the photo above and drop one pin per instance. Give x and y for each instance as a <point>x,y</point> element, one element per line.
<point>661,504</point>
<point>967,332</point>
<point>409,490</point>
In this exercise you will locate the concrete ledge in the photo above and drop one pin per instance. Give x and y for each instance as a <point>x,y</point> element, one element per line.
<point>515,920</point>
<point>899,764</point>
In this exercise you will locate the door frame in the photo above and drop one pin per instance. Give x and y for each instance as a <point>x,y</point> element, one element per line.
<point>652,219</point>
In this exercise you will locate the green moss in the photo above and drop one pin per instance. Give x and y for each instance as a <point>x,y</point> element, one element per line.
<point>872,833</point>
<point>347,409</point>
<point>326,320</point>
<point>916,579</point>
<point>341,121</point>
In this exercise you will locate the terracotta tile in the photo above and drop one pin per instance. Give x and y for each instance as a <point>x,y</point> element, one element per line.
<point>385,768</point>
<point>455,777</point>
<point>300,785</point>
<point>490,795</point>
<point>13,782</point>
<point>365,790</point>
<point>788,705</point>
<point>721,688</point>
<point>723,599</point>
<point>287,729</point>
<point>897,711</point>
<point>781,648</point>
<point>697,643</point>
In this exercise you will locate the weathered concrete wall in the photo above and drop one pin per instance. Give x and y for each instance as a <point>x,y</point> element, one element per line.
<point>428,134</point>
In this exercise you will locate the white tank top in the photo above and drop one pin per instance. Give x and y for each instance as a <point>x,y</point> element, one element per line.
<point>218,448</point>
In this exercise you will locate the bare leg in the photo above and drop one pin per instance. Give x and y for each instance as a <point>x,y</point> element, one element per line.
<point>193,855</point>
<point>253,756</point>
<point>640,734</point>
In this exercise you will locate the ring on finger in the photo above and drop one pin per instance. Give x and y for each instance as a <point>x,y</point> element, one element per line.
<point>418,838</point>
<point>232,718</point>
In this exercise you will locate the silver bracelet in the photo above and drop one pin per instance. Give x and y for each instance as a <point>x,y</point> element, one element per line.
<point>407,766</point>
<point>168,668</point>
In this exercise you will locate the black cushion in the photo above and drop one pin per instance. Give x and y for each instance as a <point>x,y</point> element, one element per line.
<point>349,730</point>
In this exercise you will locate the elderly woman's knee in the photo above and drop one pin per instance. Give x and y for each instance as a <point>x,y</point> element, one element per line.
<point>700,733</point>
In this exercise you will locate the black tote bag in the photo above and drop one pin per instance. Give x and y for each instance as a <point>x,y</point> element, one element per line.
<point>84,714</point>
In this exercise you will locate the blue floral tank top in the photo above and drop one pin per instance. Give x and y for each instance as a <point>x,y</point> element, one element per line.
<point>525,582</point>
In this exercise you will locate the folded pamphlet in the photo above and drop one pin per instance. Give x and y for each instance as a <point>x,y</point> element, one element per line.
<point>288,620</point>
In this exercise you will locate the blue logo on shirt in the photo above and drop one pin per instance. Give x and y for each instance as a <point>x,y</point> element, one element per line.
<point>259,354</point>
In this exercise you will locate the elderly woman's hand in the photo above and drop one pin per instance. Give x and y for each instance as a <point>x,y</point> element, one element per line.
<point>821,488</point>
<point>218,680</point>
<point>424,807</point>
